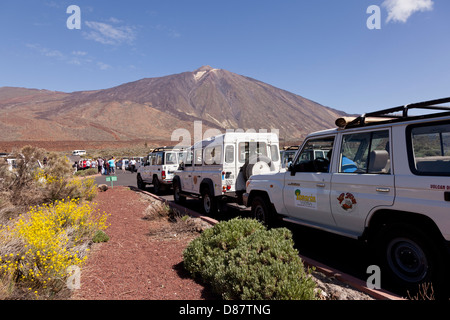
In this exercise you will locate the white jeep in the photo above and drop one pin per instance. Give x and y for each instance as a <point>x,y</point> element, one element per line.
<point>386,182</point>
<point>218,167</point>
<point>159,167</point>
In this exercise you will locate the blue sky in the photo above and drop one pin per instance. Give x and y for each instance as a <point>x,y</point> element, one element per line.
<point>321,50</point>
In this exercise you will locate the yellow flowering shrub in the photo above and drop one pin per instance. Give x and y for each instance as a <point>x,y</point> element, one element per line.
<point>39,246</point>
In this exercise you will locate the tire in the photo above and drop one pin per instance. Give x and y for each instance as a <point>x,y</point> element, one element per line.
<point>408,257</point>
<point>177,197</point>
<point>253,163</point>
<point>261,210</point>
<point>140,183</point>
<point>156,185</point>
<point>209,203</point>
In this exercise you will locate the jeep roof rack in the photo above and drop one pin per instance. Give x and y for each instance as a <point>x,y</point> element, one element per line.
<point>288,148</point>
<point>165,148</point>
<point>387,116</point>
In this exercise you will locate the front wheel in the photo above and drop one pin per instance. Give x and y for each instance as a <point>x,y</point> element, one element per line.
<point>261,210</point>
<point>140,182</point>
<point>177,197</point>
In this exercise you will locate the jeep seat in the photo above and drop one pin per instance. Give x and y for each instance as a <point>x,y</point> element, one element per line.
<point>379,161</point>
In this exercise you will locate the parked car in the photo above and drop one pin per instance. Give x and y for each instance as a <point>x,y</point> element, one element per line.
<point>159,168</point>
<point>79,152</point>
<point>218,168</point>
<point>386,182</point>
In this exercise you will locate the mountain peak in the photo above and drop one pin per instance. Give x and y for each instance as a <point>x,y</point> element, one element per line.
<point>204,68</point>
<point>200,72</point>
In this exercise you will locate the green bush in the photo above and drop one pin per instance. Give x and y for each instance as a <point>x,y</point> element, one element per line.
<point>86,172</point>
<point>100,236</point>
<point>243,260</point>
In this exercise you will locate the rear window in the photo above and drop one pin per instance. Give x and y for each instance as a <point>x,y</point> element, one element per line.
<point>171,158</point>
<point>429,149</point>
<point>249,149</point>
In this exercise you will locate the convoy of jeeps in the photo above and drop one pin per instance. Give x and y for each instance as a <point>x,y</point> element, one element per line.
<point>383,178</point>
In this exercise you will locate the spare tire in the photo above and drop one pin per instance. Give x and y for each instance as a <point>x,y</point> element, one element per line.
<point>257,165</point>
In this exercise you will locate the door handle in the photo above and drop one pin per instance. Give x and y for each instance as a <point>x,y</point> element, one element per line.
<point>321,185</point>
<point>383,189</point>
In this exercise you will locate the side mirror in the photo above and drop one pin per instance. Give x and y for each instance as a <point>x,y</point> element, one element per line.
<point>291,169</point>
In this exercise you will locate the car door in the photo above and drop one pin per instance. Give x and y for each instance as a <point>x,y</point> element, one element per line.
<point>198,170</point>
<point>186,174</point>
<point>145,171</point>
<point>363,179</point>
<point>307,184</point>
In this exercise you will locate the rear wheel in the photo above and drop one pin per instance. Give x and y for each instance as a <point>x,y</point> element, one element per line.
<point>209,203</point>
<point>409,256</point>
<point>156,185</point>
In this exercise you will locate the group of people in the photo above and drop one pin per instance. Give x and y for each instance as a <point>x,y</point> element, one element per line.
<point>103,166</point>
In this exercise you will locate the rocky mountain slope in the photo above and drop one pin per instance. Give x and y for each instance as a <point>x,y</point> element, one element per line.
<point>151,109</point>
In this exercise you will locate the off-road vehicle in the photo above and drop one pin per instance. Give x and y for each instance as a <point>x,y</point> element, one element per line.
<point>218,167</point>
<point>159,167</point>
<point>384,179</point>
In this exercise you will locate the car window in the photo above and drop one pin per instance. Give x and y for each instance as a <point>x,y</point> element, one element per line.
<point>198,157</point>
<point>213,155</point>
<point>171,158</point>
<point>249,149</point>
<point>274,152</point>
<point>310,157</point>
<point>430,147</point>
<point>188,155</point>
<point>366,152</point>
<point>229,154</point>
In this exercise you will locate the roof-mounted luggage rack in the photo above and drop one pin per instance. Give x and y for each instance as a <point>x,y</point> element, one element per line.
<point>387,116</point>
<point>160,149</point>
<point>288,148</point>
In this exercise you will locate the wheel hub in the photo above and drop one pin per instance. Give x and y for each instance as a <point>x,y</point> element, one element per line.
<point>407,260</point>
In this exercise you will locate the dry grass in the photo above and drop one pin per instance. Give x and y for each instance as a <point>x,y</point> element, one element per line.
<point>174,224</point>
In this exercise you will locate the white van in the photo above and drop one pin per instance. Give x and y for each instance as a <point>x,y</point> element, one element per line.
<point>159,167</point>
<point>219,167</point>
<point>79,152</point>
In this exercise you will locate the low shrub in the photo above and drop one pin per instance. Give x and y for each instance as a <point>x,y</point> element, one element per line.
<point>100,236</point>
<point>243,260</point>
<point>87,172</point>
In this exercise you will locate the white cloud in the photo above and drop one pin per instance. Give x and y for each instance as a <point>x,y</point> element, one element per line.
<point>107,34</point>
<point>75,58</point>
<point>401,10</point>
<point>103,66</point>
<point>46,51</point>
<point>79,53</point>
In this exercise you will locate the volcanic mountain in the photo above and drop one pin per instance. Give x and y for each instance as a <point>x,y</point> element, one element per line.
<point>151,109</point>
